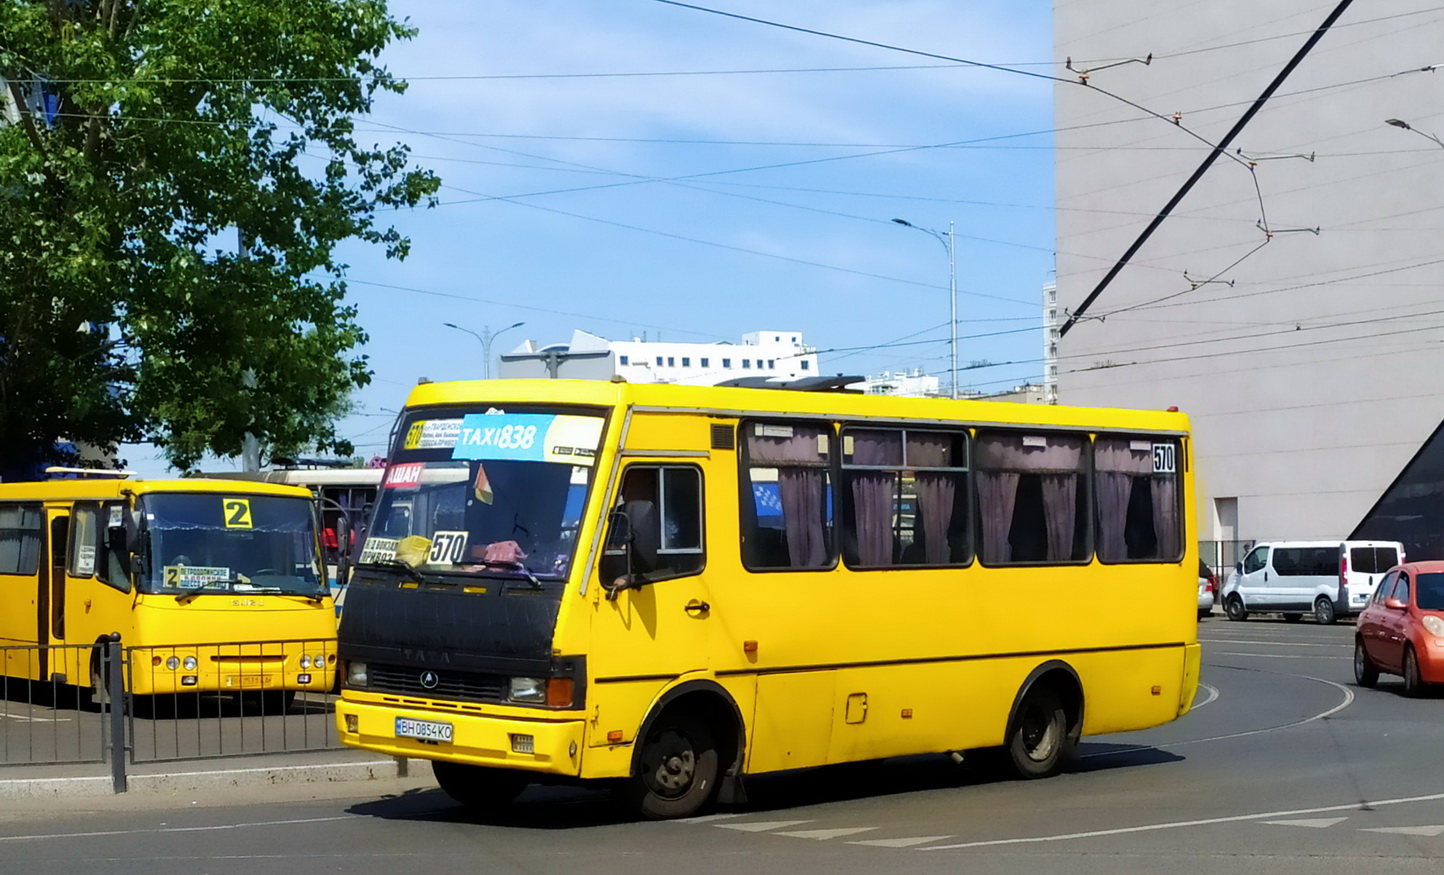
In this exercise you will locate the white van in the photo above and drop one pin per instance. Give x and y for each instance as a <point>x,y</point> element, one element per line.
<point>1330,579</point>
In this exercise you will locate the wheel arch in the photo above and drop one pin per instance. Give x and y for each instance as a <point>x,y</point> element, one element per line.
<point>710,701</point>
<point>1064,681</point>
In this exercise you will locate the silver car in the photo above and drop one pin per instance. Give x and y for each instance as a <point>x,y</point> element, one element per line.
<point>1207,585</point>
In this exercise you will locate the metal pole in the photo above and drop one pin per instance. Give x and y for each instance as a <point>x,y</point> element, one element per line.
<point>953,308</point>
<point>115,692</point>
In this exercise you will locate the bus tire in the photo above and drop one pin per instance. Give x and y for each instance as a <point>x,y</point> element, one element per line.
<point>676,769</point>
<point>1324,611</point>
<point>1234,609</point>
<point>478,787</point>
<point>1040,734</point>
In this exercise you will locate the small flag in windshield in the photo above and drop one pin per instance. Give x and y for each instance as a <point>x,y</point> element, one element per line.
<point>482,486</point>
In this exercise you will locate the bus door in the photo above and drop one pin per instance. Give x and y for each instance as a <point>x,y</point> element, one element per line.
<point>24,598</point>
<point>652,623</point>
<point>50,589</point>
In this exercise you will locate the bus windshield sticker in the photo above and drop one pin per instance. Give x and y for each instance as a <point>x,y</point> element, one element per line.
<point>529,437</point>
<point>407,476</point>
<point>117,515</point>
<point>379,549</point>
<point>85,560</point>
<point>447,548</point>
<point>432,434</point>
<point>196,577</point>
<point>777,431</point>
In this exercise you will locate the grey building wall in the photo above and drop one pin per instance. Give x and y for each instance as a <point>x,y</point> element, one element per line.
<point>1314,373</point>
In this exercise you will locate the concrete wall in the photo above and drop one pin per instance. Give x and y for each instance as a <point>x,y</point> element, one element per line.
<point>1313,377</point>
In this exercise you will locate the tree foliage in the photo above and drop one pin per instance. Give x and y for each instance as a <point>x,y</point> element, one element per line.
<point>144,139</point>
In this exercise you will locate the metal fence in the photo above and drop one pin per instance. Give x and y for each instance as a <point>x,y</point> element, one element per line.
<point>177,702</point>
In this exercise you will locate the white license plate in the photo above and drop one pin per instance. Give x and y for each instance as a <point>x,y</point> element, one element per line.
<point>425,730</point>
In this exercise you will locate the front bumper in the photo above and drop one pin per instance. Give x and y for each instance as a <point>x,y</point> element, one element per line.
<point>477,738</point>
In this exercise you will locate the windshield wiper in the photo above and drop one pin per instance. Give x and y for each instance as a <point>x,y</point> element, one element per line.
<point>514,566</point>
<point>394,565</point>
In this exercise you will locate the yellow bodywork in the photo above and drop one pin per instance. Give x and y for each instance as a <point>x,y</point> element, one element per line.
<point>240,643</point>
<point>822,666</point>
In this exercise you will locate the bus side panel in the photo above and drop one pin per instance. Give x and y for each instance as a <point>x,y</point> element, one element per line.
<point>18,628</point>
<point>791,722</point>
<point>1131,689</point>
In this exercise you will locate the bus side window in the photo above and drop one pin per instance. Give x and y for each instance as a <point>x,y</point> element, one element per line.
<point>85,540</point>
<point>1139,512</point>
<point>664,506</point>
<point>1032,498</point>
<point>20,536</point>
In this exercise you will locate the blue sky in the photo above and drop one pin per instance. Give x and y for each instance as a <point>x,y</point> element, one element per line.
<point>633,168</point>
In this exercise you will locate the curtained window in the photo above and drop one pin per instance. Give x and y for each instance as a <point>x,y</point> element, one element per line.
<point>20,531</point>
<point>1031,498</point>
<point>788,523</point>
<point>904,498</point>
<point>1138,503</point>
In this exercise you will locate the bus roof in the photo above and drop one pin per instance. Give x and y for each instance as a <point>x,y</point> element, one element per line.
<point>308,476</point>
<point>739,401</point>
<point>98,489</point>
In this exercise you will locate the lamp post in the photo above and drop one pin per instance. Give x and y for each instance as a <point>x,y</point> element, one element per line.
<point>486,337</point>
<point>1400,123</point>
<point>947,242</point>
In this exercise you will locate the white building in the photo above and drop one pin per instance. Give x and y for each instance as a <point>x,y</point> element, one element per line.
<point>774,355</point>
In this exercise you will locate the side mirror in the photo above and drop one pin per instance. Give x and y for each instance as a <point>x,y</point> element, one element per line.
<point>615,566</point>
<point>1394,604</point>
<point>343,551</point>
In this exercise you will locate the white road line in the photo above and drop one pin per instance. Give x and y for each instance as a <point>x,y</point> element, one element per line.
<point>36,719</point>
<point>1311,823</point>
<point>762,826</point>
<point>173,829</point>
<point>1429,831</point>
<point>1212,694</point>
<point>1274,655</point>
<point>823,835</point>
<point>706,818</point>
<point>1181,824</point>
<point>1335,645</point>
<point>899,843</point>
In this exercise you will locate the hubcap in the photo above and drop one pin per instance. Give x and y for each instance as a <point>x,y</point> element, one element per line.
<point>674,766</point>
<point>1040,735</point>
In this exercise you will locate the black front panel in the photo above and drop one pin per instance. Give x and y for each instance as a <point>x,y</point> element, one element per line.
<point>504,632</point>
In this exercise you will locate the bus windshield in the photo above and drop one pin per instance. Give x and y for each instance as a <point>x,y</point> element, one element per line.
<point>495,493</point>
<point>209,543</point>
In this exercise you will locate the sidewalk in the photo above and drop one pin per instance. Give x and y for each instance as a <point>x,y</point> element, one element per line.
<point>201,775</point>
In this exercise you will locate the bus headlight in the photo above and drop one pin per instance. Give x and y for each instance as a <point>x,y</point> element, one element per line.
<point>532,691</point>
<point>172,663</point>
<point>1434,625</point>
<point>356,674</point>
<point>305,662</point>
<point>189,663</point>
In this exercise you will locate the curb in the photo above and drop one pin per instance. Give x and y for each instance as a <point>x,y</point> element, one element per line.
<point>220,779</point>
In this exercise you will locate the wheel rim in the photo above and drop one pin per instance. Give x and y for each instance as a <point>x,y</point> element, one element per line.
<point>670,764</point>
<point>1411,670</point>
<point>1040,734</point>
<point>1359,665</point>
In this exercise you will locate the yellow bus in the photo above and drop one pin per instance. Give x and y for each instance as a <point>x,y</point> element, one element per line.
<point>213,586</point>
<point>671,588</point>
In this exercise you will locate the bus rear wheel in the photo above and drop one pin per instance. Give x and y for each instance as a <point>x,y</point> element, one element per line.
<point>478,787</point>
<point>676,769</point>
<point>1040,734</point>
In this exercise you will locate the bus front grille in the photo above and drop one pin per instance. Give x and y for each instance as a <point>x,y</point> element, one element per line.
<point>443,684</point>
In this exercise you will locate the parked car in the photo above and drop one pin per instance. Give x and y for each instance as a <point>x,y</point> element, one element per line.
<point>1330,579</point>
<point>1401,630</point>
<point>1207,584</point>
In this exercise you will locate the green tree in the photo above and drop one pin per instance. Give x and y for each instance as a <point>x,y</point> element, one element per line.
<point>143,139</point>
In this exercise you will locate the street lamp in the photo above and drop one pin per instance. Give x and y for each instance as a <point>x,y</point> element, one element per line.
<point>486,337</point>
<point>952,297</point>
<point>1400,123</point>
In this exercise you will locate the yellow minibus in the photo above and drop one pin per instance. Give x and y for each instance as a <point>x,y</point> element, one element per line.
<point>669,588</point>
<point>213,586</point>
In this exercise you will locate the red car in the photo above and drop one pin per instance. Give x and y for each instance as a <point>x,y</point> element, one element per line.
<point>1401,630</point>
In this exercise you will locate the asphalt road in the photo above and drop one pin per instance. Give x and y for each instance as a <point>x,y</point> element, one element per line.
<point>1284,766</point>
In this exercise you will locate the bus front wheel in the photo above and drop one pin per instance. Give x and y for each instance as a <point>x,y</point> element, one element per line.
<point>1039,735</point>
<point>478,787</point>
<point>676,770</point>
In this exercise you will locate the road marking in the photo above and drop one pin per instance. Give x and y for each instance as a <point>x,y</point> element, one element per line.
<point>36,719</point>
<point>899,843</point>
<point>1313,823</point>
<point>1274,655</point>
<point>1430,831</point>
<point>1181,824</point>
<point>1212,694</point>
<point>762,826</point>
<point>1348,700</point>
<point>173,829</point>
<point>1270,643</point>
<point>706,818</point>
<point>822,835</point>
